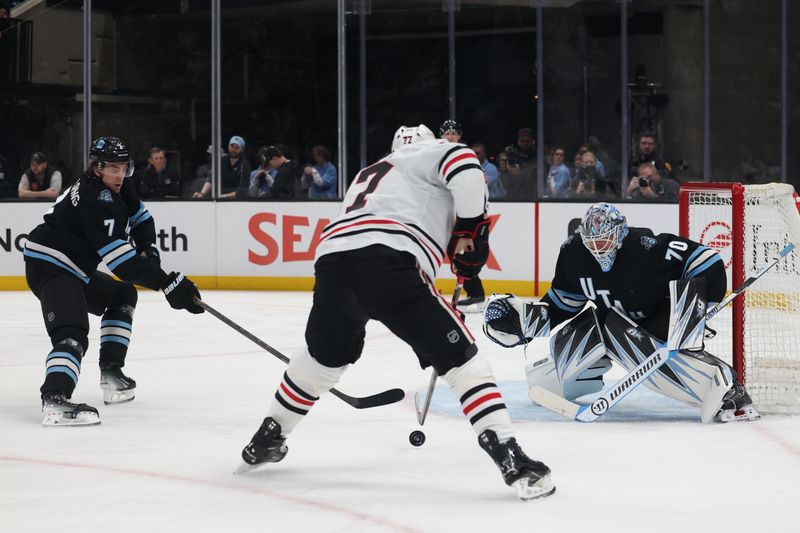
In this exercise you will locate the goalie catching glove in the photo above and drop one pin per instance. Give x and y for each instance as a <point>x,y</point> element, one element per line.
<point>509,321</point>
<point>181,293</point>
<point>468,263</point>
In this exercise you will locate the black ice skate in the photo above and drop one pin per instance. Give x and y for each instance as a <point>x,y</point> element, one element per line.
<point>57,410</point>
<point>267,445</point>
<point>117,387</point>
<point>737,405</point>
<point>531,479</point>
<point>473,304</point>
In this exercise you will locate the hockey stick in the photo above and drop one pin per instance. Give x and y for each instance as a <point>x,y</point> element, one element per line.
<point>376,400</point>
<point>422,407</point>
<point>596,409</point>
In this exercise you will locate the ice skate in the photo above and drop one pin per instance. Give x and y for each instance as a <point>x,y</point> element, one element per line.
<point>737,406</point>
<point>266,446</point>
<point>117,387</point>
<point>473,304</point>
<point>57,410</point>
<point>531,479</point>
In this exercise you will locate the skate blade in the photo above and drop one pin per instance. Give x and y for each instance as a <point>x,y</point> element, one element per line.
<point>121,396</point>
<point>472,308</point>
<point>58,419</point>
<point>745,414</point>
<point>526,490</point>
<point>245,468</point>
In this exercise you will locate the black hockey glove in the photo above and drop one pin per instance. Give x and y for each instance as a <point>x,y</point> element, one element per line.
<point>469,264</point>
<point>151,253</point>
<point>181,292</point>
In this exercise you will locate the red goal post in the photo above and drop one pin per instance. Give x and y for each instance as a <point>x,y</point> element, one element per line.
<point>760,333</point>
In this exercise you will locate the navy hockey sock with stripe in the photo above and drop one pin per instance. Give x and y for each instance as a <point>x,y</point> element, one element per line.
<point>63,367</point>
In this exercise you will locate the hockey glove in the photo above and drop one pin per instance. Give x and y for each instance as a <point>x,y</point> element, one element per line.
<point>509,321</point>
<point>151,253</point>
<point>181,292</point>
<point>468,264</point>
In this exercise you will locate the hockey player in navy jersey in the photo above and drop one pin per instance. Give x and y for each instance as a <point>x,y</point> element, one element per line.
<point>623,273</point>
<point>98,218</point>
<point>378,261</point>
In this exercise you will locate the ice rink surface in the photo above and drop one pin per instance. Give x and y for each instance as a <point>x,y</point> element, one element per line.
<point>165,462</point>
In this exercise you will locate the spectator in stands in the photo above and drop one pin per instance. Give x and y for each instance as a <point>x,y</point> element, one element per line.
<point>648,152</point>
<point>287,177</point>
<point>5,11</point>
<point>584,181</point>
<point>559,174</point>
<point>235,172</point>
<point>262,178</point>
<point>321,178</point>
<point>496,189</point>
<point>523,152</point>
<point>522,165</point>
<point>158,180</point>
<point>649,184</point>
<point>39,181</point>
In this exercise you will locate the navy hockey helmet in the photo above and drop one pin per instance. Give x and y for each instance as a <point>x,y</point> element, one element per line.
<point>111,150</point>
<point>602,231</point>
<point>450,125</point>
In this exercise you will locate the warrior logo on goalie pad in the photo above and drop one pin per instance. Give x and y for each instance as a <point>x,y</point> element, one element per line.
<point>686,376</point>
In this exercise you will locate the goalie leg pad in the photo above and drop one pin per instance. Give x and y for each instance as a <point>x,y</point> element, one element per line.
<point>577,344</point>
<point>695,378</point>
<point>304,381</point>
<point>542,371</point>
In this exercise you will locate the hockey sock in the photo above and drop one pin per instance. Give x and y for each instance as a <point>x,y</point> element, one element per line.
<point>115,335</point>
<point>474,385</point>
<point>304,381</point>
<point>63,367</point>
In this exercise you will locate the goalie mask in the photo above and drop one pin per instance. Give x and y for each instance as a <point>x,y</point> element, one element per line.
<point>602,231</point>
<point>409,135</point>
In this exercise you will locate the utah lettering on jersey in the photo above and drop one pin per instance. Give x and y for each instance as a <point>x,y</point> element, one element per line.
<point>587,286</point>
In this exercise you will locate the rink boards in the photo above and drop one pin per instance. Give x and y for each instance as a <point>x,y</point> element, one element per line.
<point>270,246</point>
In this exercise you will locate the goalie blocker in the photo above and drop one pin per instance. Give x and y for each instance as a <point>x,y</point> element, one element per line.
<point>572,361</point>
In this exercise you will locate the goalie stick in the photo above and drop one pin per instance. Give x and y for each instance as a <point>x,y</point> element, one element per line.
<point>596,409</point>
<point>423,406</point>
<point>376,400</point>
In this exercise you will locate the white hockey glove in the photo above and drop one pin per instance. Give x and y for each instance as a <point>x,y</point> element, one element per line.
<point>509,321</point>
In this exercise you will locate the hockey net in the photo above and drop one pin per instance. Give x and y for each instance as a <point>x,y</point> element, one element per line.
<point>759,333</point>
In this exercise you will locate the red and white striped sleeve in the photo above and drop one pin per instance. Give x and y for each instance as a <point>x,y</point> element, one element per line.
<point>463,175</point>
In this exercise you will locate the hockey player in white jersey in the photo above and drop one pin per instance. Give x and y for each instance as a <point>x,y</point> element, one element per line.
<point>623,273</point>
<point>378,261</point>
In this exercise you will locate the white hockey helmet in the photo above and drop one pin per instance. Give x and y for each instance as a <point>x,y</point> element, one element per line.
<point>410,135</point>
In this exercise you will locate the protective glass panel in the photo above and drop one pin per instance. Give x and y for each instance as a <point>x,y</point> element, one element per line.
<point>581,101</point>
<point>745,81</point>
<point>405,77</point>
<point>279,100</point>
<point>496,94</point>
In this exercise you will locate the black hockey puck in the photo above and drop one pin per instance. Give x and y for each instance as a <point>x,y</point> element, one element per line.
<point>417,438</point>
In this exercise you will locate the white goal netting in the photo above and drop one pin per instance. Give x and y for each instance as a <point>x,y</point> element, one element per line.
<point>750,231</point>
